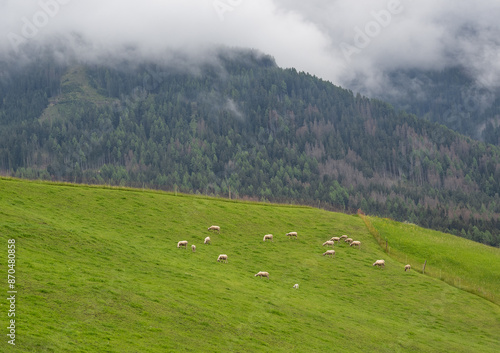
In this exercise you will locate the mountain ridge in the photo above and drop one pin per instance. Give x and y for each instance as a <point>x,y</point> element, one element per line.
<point>246,127</point>
<point>451,96</point>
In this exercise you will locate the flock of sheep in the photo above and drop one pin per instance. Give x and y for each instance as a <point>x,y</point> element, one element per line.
<point>331,242</point>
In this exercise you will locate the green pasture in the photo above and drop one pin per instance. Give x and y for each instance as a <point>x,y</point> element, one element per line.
<point>98,270</point>
<point>463,263</point>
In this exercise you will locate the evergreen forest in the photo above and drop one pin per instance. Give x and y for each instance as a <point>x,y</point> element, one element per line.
<point>239,126</point>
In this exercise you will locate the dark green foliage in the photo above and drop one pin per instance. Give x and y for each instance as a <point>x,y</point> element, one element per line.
<point>246,128</point>
<point>451,97</point>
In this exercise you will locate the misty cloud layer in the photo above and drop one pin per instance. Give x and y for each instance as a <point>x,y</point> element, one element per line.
<point>342,41</point>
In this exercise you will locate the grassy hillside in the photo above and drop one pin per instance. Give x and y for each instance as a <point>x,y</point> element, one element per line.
<point>460,262</point>
<point>98,271</point>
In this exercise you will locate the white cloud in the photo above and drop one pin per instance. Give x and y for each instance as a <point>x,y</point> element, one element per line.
<point>426,34</point>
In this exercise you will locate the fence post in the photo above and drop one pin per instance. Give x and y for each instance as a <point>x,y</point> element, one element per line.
<point>423,270</point>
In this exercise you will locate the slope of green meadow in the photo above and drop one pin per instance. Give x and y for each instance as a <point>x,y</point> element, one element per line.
<point>98,270</point>
<point>465,264</point>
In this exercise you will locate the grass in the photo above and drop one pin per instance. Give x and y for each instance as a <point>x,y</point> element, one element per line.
<point>462,263</point>
<point>98,271</point>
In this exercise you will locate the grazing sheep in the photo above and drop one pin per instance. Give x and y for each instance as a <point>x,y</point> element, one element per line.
<point>329,252</point>
<point>268,237</point>
<point>356,243</point>
<point>407,267</point>
<point>262,274</point>
<point>193,248</point>
<point>214,228</point>
<point>207,240</point>
<point>296,286</point>
<point>222,258</point>
<point>183,243</point>
<point>329,243</point>
<point>343,237</point>
<point>379,263</point>
<point>291,234</point>
<point>348,240</point>
<point>335,239</point>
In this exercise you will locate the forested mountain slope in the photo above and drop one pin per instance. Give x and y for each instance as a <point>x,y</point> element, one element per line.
<point>242,126</point>
<point>452,97</point>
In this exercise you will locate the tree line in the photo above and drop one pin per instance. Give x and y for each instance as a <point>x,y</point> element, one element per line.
<point>244,127</point>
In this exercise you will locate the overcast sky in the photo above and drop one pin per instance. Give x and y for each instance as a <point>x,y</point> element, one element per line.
<point>336,40</point>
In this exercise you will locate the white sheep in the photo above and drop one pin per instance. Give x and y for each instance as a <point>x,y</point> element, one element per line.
<point>291,234</point>
<point>379,263</point>
<point>262,274</point>
<point>193,248</point>
<point>356,243</point>
<point>296,286</point>
<point>222,258</point>
<point>207,240</point>
<point>329,243</point>
<point>343,237</point>
<point>348,240</point>
<point>214,228</point>
<point>183,243</point>
<point>268,237</point>
<point>329,252</point>
<point>335,239</point>
<point>407,267</point>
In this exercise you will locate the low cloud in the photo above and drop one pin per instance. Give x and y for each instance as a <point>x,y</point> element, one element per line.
<point>311,36</point>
